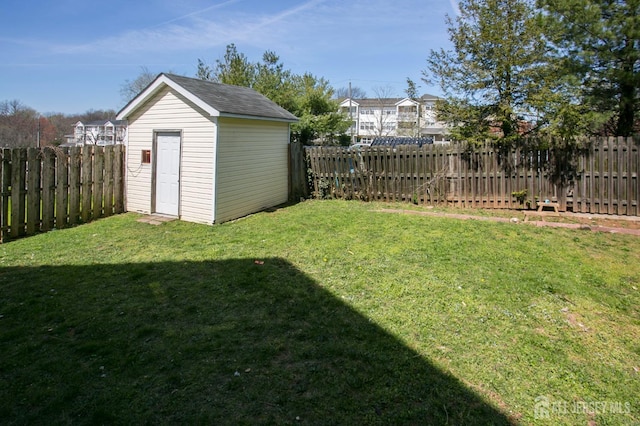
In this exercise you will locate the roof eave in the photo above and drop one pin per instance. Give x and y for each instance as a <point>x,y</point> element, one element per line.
<point>403,100</point>
<point>151,90</point>
<point>259,117</point>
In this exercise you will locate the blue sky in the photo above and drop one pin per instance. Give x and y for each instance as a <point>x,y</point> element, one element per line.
<point>70,56</point>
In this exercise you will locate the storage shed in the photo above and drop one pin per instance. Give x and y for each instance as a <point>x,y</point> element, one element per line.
<point>205,152</point>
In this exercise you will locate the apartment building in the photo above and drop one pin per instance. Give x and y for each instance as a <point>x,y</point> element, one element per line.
<point>101,132</point>
<point>393,117</point>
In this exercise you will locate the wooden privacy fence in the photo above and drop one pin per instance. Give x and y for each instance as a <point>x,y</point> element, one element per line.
<point>43,189</point>
<point>605,178</point>
<point>298,184</point>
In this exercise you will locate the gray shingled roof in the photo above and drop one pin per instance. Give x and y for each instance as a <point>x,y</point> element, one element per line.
<point>232,100</point>
<point>386,102</point>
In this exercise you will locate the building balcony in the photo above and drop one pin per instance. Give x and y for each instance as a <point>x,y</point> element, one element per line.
<point>408,116</point>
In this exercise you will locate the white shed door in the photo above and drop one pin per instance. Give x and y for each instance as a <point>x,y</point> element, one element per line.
<point>167,173</point>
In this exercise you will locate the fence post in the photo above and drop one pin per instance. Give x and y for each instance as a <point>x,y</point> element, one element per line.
<point>297,172</point>
<point>5,183</point>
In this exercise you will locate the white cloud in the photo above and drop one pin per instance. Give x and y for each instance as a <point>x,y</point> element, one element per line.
<point>195,33</point>
<point>199,12</point>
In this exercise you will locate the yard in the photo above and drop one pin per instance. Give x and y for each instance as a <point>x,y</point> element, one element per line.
<point>326,312</point>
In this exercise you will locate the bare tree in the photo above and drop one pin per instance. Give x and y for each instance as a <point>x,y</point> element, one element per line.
<point>131,88</point>
<point>63,125</point>
<point>18,124</point>
<point>384,113</point>
<point>356,93</point>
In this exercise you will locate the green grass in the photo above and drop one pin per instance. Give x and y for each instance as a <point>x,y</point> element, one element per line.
<point>326,312</point>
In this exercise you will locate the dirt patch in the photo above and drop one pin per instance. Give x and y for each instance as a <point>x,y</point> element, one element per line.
<point>575,321</point>
<point>600,223</point>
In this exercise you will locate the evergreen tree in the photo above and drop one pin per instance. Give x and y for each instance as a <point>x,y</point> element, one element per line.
<point>499,81</point>
<point>234,68</point>
<point>600,42</point>
<point>305,96</point>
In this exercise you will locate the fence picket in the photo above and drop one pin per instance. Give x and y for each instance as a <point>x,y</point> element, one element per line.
<point>98,182</point>
<point>75,166</point>
<point>33,190</point>
<point>48,188</point>
<point>620,186</point>
<point>118,176</point>
<point>62,189</point>
<point>18,191</point>
<point>5,184</point>
<point>87,183</point>
<point>108,181</point>
<point>632,175</point>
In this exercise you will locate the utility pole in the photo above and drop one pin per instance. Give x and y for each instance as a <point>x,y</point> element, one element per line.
<point>38,133</point>
<point>351,115</point>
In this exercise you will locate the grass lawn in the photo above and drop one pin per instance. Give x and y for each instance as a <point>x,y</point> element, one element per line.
<point>326,312</point>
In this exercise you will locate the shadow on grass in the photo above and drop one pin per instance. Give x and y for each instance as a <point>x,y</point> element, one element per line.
<point>220,342</point>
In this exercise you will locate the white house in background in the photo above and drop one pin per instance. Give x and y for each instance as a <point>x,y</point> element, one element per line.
<point>205,152</point>
<point>393,117</point>
<point>100,132</point>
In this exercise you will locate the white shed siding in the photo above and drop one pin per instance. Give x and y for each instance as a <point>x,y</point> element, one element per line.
<point>252,167</point>
<point>170,111</point>
<point>138,175</point>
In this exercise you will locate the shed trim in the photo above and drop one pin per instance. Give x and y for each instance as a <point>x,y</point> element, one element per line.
<point>255,117</point>
<point>214,99</point>
<point>154,88</point>
<point>214,185</point>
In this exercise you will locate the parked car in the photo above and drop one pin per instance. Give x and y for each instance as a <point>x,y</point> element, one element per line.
<point>358,146</point>
<point>70,144</point>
